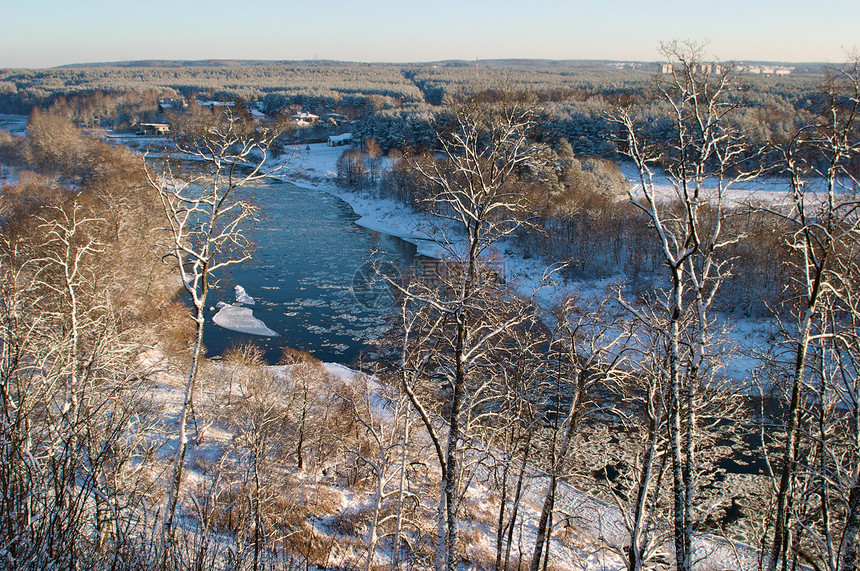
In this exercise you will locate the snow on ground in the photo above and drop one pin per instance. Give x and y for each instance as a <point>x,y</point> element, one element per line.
<point>763,190</point>
<point>241,319</point>
<point>15,124</point>
<point>8,176</point>
<point>588,537</point>
<point>315,166</point>
<point>600,525</point>
<point>767,190</point>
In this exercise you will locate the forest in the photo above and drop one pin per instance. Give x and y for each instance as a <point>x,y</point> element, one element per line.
<point>489,430</point>
<point>394,103</point>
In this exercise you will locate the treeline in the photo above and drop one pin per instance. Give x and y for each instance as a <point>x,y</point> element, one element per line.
<point>547,83</point>
<point>392,100</point>
<point>21,90</point>
<point>82,296</point>
<point>581,114</point>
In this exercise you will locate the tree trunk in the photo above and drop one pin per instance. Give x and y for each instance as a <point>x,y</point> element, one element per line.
<point>635,553</point>
<point>441,535</point>
<point>512,522</point>
<point>503,506</point>
<point>401,490</point>
<point>549,499</point>
<point>452,454</point>
<point>676,389</point>
<point>182,445</point>
<point>780,531</point>
<point>852,523</point>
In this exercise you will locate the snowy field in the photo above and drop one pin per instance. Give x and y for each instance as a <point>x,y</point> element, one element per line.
<point>764,190</point>
<point>15,124</point>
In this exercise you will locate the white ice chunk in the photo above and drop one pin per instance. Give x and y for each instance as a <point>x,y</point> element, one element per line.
<point>242,296</point>
<point>241,319</point>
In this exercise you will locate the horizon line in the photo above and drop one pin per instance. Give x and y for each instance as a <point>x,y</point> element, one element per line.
<point>258,61</point>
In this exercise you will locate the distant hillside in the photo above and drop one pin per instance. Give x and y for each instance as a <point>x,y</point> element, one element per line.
<point>311,84</point>
<point>522,63</point>
<point>157,63</point>
<point>355,88</point>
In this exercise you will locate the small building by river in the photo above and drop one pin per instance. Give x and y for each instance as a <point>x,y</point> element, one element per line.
<point>154,129</point>
<point>339,140</point>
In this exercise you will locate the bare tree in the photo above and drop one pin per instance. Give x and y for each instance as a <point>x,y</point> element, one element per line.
<point>642,502</point>
<point>706,157</point>
<point>67,398</point>
<point>383,445</point>
<point>206,216</point>
<point>450,325</point>
<point>513,435</point>
<point>586,352</point>
<point>819,369</point>
<point>374,159</point>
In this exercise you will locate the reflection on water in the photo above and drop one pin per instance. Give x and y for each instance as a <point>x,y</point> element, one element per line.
<point>301,276</point>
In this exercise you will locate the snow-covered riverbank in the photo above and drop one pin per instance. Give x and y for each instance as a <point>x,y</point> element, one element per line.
<point>315,167</point>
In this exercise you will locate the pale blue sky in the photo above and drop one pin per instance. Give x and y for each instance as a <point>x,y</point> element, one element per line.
<point>45,33</point>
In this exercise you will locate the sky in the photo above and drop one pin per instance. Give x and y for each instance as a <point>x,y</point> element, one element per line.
<point>47,33</point>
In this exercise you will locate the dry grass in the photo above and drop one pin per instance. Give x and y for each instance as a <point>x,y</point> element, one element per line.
<point>290,356</point>
<point>353,522</point>
<point>481,511</point>
<point>176,329</point>
<point>475,548</point>
<point>314,547</point>
<point>573,538</point>
<point>287,506</point>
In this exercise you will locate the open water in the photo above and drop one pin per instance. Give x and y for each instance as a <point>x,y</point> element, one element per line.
<point>309,254</point>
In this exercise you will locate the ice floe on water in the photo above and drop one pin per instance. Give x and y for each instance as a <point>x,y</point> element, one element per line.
<point>242,320</point>
<point>242,296</point>
<point>308,302</point>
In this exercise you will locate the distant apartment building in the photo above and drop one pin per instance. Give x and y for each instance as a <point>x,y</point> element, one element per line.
<point>710,68</point>
<point>766,69</point>
<point>702,68</point>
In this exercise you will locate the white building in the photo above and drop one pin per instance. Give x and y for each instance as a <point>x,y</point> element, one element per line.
<point>305,118</point>
<point>339,140</point>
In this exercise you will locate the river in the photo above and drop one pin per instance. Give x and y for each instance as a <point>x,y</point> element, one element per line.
<point>309,253</point>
